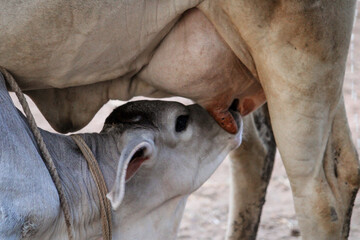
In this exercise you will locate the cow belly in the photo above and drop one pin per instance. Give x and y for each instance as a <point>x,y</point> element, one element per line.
<point>60,44</point>
<point>192,60</point>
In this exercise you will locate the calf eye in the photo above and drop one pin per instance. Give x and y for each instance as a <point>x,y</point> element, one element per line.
<point>181,123</point>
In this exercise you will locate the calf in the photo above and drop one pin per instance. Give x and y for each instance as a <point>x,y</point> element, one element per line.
<point>152,154</point>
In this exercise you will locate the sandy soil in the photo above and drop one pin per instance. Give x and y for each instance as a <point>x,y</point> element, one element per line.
<point>205,216</point>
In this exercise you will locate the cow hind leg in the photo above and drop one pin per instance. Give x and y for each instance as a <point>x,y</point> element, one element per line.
<point>301,65</point>
<point>251,168</point>
<point>311,132</point>
<point>341,168</point>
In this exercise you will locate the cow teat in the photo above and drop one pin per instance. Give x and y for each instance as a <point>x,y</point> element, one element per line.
<point>224,106</point>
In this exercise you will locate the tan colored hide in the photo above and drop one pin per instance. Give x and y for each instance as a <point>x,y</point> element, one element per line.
<point>299,50</point>
<point>73,56</point>
<point>58,44</point>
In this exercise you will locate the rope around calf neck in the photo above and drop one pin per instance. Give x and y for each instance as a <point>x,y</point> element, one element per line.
<point>49,163</point>
<point>105,207</point>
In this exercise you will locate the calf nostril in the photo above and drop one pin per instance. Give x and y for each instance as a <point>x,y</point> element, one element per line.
<point>234,105</point>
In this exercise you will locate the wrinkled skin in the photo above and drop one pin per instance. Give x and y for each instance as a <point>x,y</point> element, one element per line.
<point>291,53</point>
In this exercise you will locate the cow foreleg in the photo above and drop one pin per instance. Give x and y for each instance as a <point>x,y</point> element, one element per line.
<point>251,167</point>
<point>323,170</point>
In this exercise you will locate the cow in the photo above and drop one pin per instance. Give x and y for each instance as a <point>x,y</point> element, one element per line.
<point>163,150</point>
<point>72,57</point>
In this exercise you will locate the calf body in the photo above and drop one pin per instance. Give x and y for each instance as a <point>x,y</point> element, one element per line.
<point>170,141</point>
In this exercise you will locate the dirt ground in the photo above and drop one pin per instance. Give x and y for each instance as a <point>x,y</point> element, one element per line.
<point>205,216</point>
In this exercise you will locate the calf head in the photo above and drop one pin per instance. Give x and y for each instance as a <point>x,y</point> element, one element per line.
<point>168,150</point>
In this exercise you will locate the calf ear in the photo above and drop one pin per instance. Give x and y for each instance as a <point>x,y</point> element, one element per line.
<point>132,156</point>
